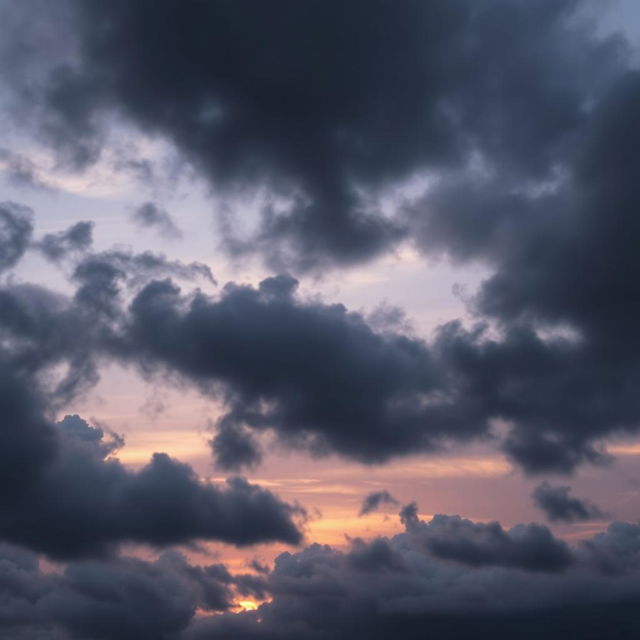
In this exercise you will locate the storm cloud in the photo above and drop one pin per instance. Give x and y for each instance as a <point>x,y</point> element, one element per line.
<point>315,374</point>
<point>64,496</point>
<point>529,546</point>
<point>15,233</point>
<point>386,586</point>
<point>76,238</point>
<point>529,163</point>
<point>124,598</point>
<point>560,506</point>
<point>62,491</point>
<point>324,102</point>
<point>371,588</point>
<point>498,135</point>
<point>373,501</point>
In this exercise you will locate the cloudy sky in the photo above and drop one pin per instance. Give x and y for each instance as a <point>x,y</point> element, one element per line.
<point>318,319</point>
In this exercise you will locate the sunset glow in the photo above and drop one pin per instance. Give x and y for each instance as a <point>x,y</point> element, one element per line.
<point>318,320</point>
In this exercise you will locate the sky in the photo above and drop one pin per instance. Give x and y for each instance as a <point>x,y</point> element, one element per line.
<point>318,320</point>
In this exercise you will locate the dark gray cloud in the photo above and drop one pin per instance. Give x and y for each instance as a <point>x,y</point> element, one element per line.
<point>101,278</point>
<point>61,491</point>
<point>373,501</point>
<point>323,101</point>
<point>76,238</point>
<point>68,499</point>
<point>138,268</point>
<point>374,589</point>
<point>322,379</point>
<point>564,369</point>
<point>560,506</point>
<point>125,598</point>
<point>400,585</point>
<point>233,446</point>
<point>21,170</point>
<point>15,233</point>
<point>532,163</point>
<point>152,216</point>
<point>615,551</point>
<point>319,592</point>
<point>316,375</point>
<point>530,546</point>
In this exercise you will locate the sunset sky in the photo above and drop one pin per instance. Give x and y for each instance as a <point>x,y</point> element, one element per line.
<point>319,319</point>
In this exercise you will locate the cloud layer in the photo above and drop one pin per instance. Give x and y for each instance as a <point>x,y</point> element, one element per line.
<point>404,583</point>
<point>500,133</point>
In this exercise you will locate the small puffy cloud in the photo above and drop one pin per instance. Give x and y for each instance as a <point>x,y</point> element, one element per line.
<point>560,506</point>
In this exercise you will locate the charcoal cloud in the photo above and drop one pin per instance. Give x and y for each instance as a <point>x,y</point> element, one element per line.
<point>531,164</point>
<point>125,598</point>
<point>313,373</point>
<point>149,215</point>
<point>560,506</point>
<point>374,588</point>
<point>323,101</point>
<point>385,586</point>
<point>530,547</point>
<point>75,239</point>
<point>70,499</point>
<point>564,369</point>
<point>324,380</point>
<point>318,377</point>
<point>62,491</point>
<point>233,446</point>
<point>532,161</point>
<point>16,228</point>
<point>373,501</point>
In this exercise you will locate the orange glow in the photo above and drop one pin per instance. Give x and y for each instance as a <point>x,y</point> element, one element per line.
<point>246,605</point>
<point>625,449</point>
<point>178,443</point>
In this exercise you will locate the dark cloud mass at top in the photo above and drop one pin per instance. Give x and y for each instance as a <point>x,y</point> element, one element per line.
<point>323,101</point>
<point>532,165</point>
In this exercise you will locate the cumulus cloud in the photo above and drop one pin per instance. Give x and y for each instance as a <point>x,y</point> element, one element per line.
<point>319,377</point>
<point>125,598</point>
<point>560,506</point>
<point>531,161</point>
<point>373,588</point>
<point>21,170</point>
<point>373,501</point>
<point>233,446</point>
<point>531,546</point>
<point>61,490</point>
<point>69,499</point>
<point>15,233</point>
<point>400,585</point>
<point>315,374</point>
<point>410,88</point>
<point>151,216</point>
<point>76,238</point>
